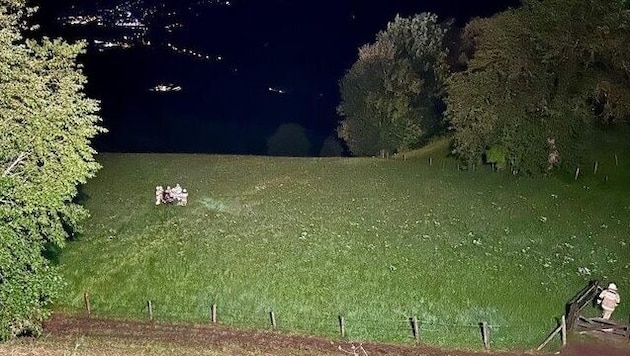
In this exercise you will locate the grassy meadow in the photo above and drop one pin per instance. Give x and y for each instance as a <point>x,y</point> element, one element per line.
<point>375,240</point>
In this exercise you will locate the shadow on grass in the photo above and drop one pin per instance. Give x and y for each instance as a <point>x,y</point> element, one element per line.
<point>52,252</point>
<point>82,197</point>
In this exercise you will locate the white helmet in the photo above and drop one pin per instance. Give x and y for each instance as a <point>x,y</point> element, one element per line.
<point>612,286</point>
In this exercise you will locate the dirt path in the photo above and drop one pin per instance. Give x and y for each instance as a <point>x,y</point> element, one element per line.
<point>115,337</point>
<point>218,336</point>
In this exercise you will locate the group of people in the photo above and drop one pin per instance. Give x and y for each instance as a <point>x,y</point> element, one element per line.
<point>176,195</point>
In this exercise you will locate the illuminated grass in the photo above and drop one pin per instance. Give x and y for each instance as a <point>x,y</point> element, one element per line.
<point>377,241</point>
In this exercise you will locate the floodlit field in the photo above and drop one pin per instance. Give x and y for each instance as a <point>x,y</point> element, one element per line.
<point>376,241</point>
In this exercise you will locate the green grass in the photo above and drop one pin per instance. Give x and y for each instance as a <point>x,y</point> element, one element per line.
<point>377,241</point>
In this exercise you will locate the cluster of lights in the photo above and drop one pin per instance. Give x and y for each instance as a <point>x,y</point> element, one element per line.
<point>192,53</point>
<point>165,88</point>
<point>82,20</point>
<point>136,19</point>
<point>124,14</point>
<point>211,3</point>
<point>127,14</point>
<point>103,45</point>
<point>172,27</point>
<point>276,90</point>
<point>127,41</point>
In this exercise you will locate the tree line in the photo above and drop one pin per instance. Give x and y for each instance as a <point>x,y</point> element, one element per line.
<point>520,90</point>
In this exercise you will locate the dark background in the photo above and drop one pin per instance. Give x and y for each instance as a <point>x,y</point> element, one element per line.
<point>303,47</point>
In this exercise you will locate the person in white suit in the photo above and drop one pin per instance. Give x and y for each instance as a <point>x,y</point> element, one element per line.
<point>608,299</point>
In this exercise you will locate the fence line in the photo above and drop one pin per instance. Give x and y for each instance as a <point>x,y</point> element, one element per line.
<point>410,328</point>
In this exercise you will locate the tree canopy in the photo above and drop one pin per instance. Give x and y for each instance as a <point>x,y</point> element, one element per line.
<point>290,139</point>
<point>46,125</point>
<point>537,79</point>
<point>391,97</point>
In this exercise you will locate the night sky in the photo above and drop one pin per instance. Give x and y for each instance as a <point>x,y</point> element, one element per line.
<point>244,66</point>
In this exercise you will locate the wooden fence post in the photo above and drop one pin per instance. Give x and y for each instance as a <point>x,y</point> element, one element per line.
<point>577,172</point>
<point>213,314</point>
<point>342,326</point>
<point>430,161</point>
<point>272,315</point>
<point>415,328</point>
<point>595,168</point>
<point>86,300</point>
<point>563,331</point>
<point>616,160</point>
<point>485,335</point>
<point>557,330</point>
<point>150,306</point>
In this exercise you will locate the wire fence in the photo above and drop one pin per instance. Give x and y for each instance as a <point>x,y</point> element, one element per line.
<point>348,327</point>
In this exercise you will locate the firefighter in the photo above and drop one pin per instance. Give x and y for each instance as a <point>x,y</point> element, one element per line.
<point>608,299</point>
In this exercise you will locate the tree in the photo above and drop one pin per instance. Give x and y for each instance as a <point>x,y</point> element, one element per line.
<point>391,98</point>
<point>331,147</point>
<point>290,139</point>
<point>46,124</point>
<point>538,78</point>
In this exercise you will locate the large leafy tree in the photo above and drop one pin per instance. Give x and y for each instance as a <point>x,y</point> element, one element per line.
<point>391,98</point>
<point>537,79</point>
<point>46,124</point>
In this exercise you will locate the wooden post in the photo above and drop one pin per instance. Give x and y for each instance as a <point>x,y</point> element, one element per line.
<point>616,160</point>
<point>577,172</point>
<point>572,314</point>
<point>415,328</point>
<point>150,306</point>
<point>213,314</point>
<point>595,169</point>
<point>342,326</point>
<point>430,161</point>
<point>557,330</point>
<point>563,331</point>
<point>86,300</point>
<point>485,335</point>
<point>272,315</point>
